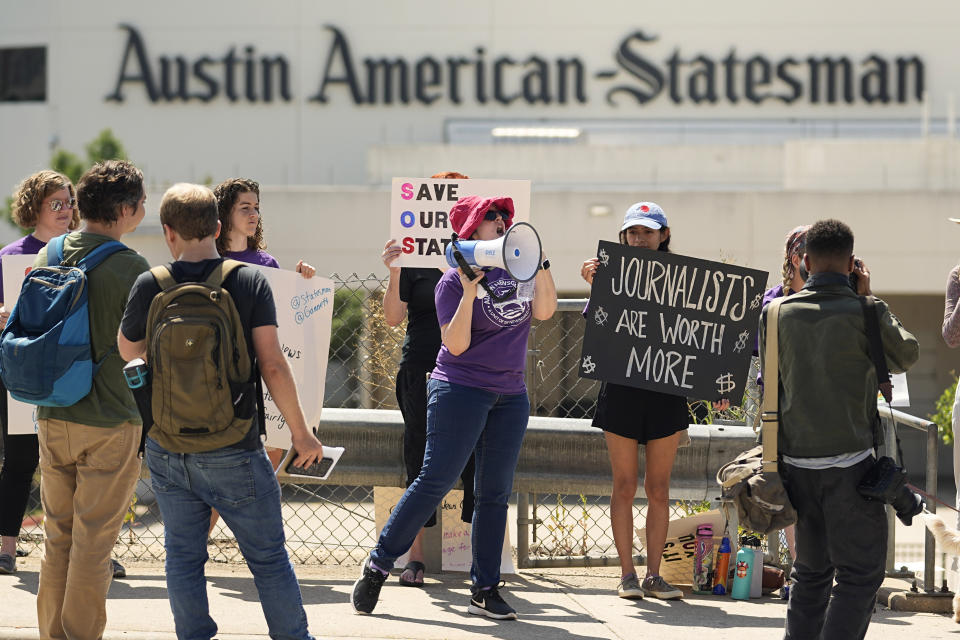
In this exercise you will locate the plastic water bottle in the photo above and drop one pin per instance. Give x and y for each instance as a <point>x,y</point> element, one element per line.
<point>723,568</point>
<point>703,559</point>
<point>743,572</point>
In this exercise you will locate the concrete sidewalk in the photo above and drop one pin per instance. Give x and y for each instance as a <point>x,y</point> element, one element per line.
<point>566,604</point>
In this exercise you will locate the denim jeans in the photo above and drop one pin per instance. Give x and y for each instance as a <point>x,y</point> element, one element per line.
<point>841,553</point>
<point>241,485</point>
<point>462,420</point>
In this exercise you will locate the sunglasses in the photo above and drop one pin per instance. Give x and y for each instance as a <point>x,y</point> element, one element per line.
<point>492,215</point>
<point>57,205</point>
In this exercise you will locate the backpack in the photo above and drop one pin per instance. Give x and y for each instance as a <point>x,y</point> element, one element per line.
<point>202,398</point>
<point>45,353</point>
<point>751,480</point>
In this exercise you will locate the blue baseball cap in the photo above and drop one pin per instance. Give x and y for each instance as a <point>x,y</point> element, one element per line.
<point>647,214</point>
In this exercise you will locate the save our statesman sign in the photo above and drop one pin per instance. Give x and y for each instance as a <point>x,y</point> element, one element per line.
<point>671,323</point>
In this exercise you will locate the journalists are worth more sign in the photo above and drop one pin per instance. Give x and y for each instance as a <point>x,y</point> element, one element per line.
<point>671,323</point>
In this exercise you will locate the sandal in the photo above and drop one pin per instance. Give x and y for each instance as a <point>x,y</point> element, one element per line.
<point>416,568</point>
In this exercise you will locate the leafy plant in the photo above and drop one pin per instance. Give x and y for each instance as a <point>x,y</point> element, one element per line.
<point>943,414</point>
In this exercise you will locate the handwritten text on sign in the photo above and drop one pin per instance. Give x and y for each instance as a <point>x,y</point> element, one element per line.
<point>671,323</point>
<point>21,417</point>
<point>420,213</point>
<point>304,319</point>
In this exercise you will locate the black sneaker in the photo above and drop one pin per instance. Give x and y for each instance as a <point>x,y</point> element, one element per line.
<point>487,602</point>
<point>366,590</point>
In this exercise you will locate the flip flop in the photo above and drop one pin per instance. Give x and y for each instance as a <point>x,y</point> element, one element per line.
<point>417,569</point>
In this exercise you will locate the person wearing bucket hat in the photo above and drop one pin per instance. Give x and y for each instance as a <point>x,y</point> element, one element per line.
<point>409,295</point>
<point>477,404</point>
<point>630,417</point>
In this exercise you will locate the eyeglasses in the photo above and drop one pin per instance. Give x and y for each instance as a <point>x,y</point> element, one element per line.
<point>56,205</point>
<point>492,215</point>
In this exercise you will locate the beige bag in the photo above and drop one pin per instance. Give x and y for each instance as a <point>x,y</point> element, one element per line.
<point>751,480</point>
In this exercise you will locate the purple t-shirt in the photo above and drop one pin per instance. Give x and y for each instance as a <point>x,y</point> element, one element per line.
<point>27,245</point>
<point>253,256</point>
<point>497,355</point>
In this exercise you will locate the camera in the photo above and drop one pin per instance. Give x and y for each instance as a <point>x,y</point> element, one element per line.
<point>886,482</point>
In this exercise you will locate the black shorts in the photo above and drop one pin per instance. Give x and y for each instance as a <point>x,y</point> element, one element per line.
<point>640,414</point>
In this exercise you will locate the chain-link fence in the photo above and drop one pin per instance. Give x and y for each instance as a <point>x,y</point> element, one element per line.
<point>335,524</point>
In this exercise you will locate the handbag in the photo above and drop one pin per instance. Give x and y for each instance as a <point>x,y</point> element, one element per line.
<point>751,481</point>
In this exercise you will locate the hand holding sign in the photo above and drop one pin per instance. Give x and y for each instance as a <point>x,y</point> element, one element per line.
<point>669,323</point>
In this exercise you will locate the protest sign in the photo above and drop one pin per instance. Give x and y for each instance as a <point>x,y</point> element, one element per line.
<point>304,319</point>
<point>671,323</point>
<point>420,208</point>
<point>456,552</point>
<point>21,417</point>
<point>679,549</point>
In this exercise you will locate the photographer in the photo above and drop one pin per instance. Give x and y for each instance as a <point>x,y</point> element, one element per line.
<point>828,412</point>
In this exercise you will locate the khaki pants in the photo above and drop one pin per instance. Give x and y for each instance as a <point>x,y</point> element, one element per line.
<point>87,477</point>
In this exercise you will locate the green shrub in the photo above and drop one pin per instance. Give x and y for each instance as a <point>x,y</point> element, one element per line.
<point>943,416</point>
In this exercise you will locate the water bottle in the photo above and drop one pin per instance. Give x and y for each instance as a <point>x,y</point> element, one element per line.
<point>703,559</point>
<point>723,568</point>
<point>743,572</point>
<point>756,576</point>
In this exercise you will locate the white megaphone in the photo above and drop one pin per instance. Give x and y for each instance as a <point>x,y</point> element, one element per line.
<point>518,252</point>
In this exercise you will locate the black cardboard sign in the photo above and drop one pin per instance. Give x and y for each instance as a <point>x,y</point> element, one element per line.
<point>671,323</point>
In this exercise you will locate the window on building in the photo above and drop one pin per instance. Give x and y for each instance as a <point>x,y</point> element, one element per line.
<point>23,74</point>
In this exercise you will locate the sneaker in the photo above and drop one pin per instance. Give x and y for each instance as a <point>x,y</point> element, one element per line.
<point>366,590</point>
<point>8,564</point>
<point>629,588</point>
<point>118,570</point>
<point>487,602</point>
<point>657,587</point>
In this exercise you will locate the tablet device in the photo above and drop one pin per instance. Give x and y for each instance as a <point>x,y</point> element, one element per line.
<point>320,469</point>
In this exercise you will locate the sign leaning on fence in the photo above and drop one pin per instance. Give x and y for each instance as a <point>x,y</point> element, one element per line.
<point>420,213</point>
<point>671,323</point>
<point>21,417</point>
<point>304,319</point>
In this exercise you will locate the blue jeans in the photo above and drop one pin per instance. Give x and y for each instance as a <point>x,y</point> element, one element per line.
<point>462,420</point>
<point>241,485</point>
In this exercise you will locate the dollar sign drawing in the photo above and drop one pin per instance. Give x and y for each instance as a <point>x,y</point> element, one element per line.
<point>600,316</point>
<point>741,342</point>
<point>589,365</point>
<point>725,383</point>
<point>756,301</point>
<point>604,258</point>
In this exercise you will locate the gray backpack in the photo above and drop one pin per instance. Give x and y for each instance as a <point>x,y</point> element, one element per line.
<point>751,480</point>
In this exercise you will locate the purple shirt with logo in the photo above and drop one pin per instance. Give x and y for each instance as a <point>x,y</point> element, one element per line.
<point>253,256</point>
<point>27,245</point>
<point>497,355</point>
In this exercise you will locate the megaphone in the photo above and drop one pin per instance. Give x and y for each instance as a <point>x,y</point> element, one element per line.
<point>517,252</point>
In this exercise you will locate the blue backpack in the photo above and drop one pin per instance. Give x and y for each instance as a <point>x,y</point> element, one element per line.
<point>45,352</point>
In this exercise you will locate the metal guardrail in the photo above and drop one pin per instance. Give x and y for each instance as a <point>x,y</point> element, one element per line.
<point>891,419</point>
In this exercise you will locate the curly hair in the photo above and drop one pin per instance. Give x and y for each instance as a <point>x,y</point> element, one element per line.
<point>450,175</point>
<point>227,193</point>
<point>30,194</point>
<point>106,188</point>
<point>796,244</point>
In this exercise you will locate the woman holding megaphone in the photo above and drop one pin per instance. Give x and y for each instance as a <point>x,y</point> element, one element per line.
<point>477,404</point>
<point>630,417</point>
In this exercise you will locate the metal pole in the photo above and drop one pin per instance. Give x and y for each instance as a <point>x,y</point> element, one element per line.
<point>890,449</point>
<point>523,530</point>
<point>929,546</point>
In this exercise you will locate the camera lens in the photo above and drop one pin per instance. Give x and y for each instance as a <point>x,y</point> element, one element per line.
<point>907,504</point>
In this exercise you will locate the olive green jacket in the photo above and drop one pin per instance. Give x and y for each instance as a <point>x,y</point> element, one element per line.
<point>828,383</point>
